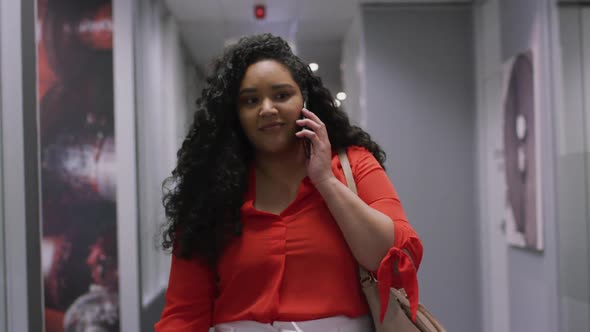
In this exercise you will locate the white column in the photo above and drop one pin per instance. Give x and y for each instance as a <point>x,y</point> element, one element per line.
<point>13,166</point>
<point>124,12</point>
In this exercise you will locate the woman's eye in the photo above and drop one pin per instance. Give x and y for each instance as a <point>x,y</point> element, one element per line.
<point>282,96</point>
<point>250,100</point>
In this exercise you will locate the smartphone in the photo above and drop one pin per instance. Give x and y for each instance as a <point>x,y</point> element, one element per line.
<point>306,142</point>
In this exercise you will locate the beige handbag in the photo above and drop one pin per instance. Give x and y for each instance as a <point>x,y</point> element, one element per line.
<point>398,316</point>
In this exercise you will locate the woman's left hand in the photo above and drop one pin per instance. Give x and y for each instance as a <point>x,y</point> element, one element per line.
<point>319,165</point>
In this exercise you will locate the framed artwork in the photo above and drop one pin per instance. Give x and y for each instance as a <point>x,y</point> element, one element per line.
<point>520,137</point>
<point>77,165</point>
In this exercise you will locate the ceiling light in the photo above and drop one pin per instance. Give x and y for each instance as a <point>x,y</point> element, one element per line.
<point>341,95</point>
<point>314,66</point>
<point>337,102</point>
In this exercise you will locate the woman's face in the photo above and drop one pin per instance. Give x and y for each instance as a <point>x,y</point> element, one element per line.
<point>269,103</point>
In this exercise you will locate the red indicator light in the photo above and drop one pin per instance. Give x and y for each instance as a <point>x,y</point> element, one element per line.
<point>260,12</point>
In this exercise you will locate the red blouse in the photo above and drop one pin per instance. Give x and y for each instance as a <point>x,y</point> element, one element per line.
<point>294,266</point>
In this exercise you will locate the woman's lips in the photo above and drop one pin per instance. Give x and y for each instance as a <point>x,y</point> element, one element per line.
<point>272,126</point>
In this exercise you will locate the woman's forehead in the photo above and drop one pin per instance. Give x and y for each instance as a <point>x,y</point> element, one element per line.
<point>267,71</point>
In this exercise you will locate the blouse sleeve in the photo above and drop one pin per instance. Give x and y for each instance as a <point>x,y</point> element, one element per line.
<point>189,297</point>
<point>399,267</point>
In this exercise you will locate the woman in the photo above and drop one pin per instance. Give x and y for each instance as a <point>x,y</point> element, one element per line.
<point>266,237</point>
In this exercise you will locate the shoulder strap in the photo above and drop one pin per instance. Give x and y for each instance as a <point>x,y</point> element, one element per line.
<point>363,274</point>
<point>347,171</point>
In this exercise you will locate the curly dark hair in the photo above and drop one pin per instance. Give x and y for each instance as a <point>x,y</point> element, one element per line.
<point>202,198</point>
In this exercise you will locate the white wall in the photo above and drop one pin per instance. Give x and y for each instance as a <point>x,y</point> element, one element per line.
<point>166,82</point>
<point>490,182</point>
<point>155,120</point>
<point>353,70</point>
<point>523,295</point>
<point>420,108</point>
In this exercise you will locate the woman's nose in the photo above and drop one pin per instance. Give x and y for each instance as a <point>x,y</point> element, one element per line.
<point>267,108</point>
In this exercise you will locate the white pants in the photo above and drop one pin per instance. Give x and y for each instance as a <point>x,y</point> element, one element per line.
<point>331,324</point>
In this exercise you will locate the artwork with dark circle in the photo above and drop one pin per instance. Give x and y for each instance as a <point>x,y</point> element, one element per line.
<point>520,159</point>
<point>77,165</point>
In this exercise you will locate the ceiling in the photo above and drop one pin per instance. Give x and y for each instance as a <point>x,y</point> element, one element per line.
<point>207,25</point>
<point>314,27</point>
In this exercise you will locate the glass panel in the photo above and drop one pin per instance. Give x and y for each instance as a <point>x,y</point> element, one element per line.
<point>573,169</point>
<point>2,250</point>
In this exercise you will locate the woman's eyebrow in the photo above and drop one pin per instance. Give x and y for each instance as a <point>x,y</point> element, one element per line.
<point>247,90</point>
<point>280,86</point>
<point>274,87</point>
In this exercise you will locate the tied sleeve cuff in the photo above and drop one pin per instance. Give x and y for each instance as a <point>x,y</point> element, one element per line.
<point>397,270</point>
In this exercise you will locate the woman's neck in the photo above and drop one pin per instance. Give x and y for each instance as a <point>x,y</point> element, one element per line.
<point>282,167</point>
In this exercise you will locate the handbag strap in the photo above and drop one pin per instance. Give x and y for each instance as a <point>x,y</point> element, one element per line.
<point>364,275</point>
